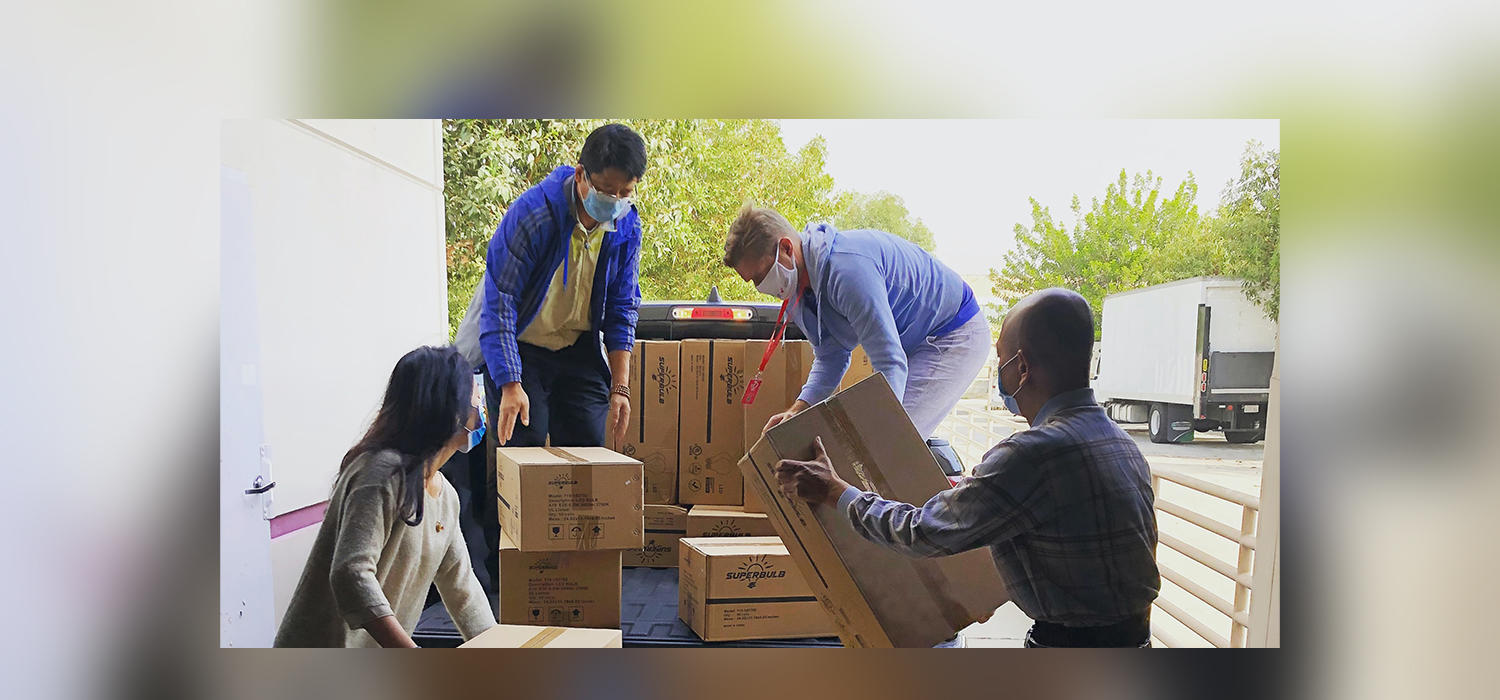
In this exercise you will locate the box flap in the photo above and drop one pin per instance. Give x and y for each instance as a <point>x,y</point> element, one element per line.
<point>735,546</point>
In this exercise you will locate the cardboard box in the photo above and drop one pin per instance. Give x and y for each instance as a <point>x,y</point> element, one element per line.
<point>651,436</point>
<point>557,499</point>
<point>664,526</point>
<point>876,596</point>
<point>781,383</point>
<point>533,637</point>
<point>859,368</point>
<point>712,422</point>
<point>562,589</point>
<point>745,588</point>
<point>727,521</point>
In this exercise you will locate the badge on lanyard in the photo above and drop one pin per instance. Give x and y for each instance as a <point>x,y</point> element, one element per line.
<point>752,387</point>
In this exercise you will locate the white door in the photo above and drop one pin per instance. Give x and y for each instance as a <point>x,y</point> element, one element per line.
<point>246,605</point>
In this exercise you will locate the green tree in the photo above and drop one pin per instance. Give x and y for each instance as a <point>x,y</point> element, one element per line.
<point>881,211</point>
<point>699,173</point>
<point>1249,225</point>
<point>1132,237</point>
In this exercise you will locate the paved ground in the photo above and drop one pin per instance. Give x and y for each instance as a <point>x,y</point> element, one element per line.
<point>1208,457</point>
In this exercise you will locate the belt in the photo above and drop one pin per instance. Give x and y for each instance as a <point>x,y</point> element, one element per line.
<point>1133,632</point>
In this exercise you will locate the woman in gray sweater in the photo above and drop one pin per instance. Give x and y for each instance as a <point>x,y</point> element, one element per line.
<point>391,529</point>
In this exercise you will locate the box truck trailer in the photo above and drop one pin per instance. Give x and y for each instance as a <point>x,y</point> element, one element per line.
<point>1191,355</point>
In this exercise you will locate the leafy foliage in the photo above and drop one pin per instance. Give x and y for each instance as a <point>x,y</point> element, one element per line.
<point>882,211</point>
<point>1136,236</point>
<point>699,174</point>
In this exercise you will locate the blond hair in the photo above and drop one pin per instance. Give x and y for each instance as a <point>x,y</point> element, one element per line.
<point>754,232</point>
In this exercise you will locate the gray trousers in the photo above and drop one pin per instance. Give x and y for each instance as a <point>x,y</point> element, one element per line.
<point>941,369</point>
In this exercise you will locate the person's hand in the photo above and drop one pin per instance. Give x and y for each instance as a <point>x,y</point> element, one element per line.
<point>619,418</point>
<point>777,419</point>
<point>513,404</point>
<point>813,481</point>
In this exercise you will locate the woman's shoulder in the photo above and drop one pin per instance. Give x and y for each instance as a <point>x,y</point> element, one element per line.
<point>374,467</point>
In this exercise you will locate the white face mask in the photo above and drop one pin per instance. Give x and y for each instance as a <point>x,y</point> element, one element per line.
<point>780,282</point>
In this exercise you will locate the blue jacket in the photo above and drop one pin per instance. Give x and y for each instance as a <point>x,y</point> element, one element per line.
<point>878,290</point>
<point>529,244</point>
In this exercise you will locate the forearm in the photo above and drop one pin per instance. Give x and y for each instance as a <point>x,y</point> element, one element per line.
<point>798,406</point>
<point>619,367</point>
<point>389,634</point>
<point>927,531</point>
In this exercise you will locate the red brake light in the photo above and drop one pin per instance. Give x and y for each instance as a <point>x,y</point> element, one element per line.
<point>711,313</point>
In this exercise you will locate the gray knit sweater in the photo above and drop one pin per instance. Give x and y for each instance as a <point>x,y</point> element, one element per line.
<point>367,563</point>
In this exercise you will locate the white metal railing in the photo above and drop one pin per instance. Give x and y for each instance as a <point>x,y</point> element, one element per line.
<point>1241,572</point>
<point>973,431</point>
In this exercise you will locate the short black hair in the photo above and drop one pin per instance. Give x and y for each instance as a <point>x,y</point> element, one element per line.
<point>614,146</point>
<point>1057,332</point>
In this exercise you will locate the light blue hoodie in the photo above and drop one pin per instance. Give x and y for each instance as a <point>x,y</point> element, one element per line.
<point>878,290</point>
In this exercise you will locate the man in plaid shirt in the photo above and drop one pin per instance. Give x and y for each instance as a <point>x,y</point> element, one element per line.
<point>1065,507</point>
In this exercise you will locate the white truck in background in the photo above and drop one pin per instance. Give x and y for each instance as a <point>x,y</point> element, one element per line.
<point>1191,355</point>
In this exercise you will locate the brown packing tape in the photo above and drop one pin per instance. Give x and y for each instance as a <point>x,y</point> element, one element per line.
<point>953,611</point>
<point>543,638</point>
<point>569,456</point>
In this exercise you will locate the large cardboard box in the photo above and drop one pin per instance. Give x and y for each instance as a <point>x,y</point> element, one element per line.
<point>781,383</point>
<point>664,526</point>
<point>712,422</point>
<point>651,435</point>
<point>745,588</point>
<point>727,521</point>
<point>562,589</point>
<point>534,637</point>
<point>859,368</point>
<point>876,596</point>
<point>556,499</point>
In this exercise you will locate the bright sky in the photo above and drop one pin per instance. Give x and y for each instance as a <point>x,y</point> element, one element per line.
<point>969,180</point>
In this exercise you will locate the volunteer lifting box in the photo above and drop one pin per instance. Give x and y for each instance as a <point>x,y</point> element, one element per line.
<point>664,526</point>
<point>727,521</point>
<point>556,499</point>
<point>563,589</point>
<point>875,596</point>
<point>651,435</point>
<point>534,637</point>
<point>712,422</point>
<point>733,588</point>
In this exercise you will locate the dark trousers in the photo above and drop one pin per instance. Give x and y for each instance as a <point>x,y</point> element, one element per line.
<point>1130,633</point>
<point>569,394</point>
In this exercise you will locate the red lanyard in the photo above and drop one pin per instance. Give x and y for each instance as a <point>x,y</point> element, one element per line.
<point>753,386</point>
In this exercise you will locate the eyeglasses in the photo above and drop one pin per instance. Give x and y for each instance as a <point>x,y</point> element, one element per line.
<point>620,198</point>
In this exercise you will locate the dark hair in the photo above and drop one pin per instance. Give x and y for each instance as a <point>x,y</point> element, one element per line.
<point>426,401</point>
<point>614,146</point>
<point>1057,332</point>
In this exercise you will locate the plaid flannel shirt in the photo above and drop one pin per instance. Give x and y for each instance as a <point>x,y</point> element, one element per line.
<point>1065,508</point>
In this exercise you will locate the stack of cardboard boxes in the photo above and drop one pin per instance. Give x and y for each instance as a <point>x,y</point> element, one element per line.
<point>689,427</point>
<point>566,516</point>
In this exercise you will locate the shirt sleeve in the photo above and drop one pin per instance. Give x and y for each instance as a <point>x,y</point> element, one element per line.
<point>462,595</point>
<point>858,291</point>
<point>622,307</point>
<point>508,261</point>
<point>1005,498</point>
<point>365,519</point>
<point>830,362</point>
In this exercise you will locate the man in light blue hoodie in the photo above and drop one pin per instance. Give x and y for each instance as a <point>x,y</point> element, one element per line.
<point>917,320</point>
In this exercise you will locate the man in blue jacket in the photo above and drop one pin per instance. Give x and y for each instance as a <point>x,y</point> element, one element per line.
<point>917,320</point>
<point>552,323</point>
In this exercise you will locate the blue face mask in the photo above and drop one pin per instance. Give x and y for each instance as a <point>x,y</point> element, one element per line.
<point>477,435</point>
<point>604,207</point>
<point>1008,399</point>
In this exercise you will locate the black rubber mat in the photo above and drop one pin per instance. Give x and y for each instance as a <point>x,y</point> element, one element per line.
<point>648,618</point>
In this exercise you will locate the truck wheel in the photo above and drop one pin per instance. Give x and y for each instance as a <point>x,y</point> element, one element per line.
<point>1242,437</point>
<point>1158,423</point>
